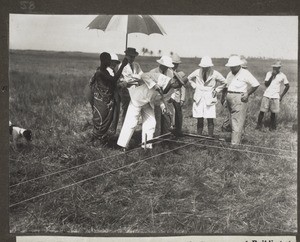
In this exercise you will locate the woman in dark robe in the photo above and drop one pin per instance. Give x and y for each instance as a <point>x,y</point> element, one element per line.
<point>103,86</point>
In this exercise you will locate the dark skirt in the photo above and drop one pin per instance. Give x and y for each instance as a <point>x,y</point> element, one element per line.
<point>103,110</point>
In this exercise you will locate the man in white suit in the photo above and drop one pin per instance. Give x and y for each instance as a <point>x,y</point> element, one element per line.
<point>142,104</point>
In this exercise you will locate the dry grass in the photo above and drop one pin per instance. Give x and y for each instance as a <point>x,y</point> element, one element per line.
<point>196,189</point>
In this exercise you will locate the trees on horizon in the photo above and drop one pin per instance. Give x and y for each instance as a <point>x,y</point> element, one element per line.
<point>146,51</point>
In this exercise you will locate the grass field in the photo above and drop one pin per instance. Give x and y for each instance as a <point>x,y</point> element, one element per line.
<point>190,186</point>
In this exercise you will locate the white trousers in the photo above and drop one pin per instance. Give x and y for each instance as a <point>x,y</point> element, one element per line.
<point>238,113</point>
<point>131,121</point>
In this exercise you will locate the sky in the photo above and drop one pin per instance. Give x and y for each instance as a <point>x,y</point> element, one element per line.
<point>188,36</point>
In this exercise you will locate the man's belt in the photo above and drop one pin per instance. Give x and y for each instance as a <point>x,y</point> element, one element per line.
<point>235,92</point>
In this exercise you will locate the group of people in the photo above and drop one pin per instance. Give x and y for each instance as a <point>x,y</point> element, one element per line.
<point>157,96</point>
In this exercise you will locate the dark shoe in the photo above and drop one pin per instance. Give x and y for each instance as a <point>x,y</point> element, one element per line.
<point>179,134</point>
<point>99,142</point>
<point>173,131</point>
<point>258,127</point>
<point>122,149</point>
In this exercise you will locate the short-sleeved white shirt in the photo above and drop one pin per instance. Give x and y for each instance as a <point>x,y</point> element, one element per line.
<point>240,81</point>
<point>273,90</point>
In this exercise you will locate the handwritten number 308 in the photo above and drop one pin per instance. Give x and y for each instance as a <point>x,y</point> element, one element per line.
<point>27,5</point>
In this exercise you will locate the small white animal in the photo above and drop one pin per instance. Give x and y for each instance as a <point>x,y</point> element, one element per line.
<point>18,133</point>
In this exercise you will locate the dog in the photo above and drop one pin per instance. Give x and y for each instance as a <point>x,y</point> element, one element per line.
<point>17,133</point>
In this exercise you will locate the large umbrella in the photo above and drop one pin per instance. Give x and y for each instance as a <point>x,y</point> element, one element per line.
<point>145,24</point>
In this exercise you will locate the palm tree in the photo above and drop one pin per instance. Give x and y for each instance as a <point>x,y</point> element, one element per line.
<point>144,50</point>
<point>171,53</point>
<point>159,52</point>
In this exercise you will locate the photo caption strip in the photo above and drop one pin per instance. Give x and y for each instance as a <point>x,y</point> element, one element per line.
<point>159,239</point>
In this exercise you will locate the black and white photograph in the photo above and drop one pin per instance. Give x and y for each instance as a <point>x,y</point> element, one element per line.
<point>168,124</point>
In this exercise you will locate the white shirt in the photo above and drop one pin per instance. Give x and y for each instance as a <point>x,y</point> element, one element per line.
<point>110,71</point>
<point>240,81</point>
<point>129,75</point>
<point>273,90</point>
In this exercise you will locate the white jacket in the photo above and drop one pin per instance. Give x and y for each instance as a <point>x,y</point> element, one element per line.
<point>205,89</point>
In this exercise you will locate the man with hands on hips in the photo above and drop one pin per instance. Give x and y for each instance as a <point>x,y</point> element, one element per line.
<point>237,95</point>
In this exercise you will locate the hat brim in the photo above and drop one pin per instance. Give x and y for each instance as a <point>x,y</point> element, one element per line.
<point>176,62</point>
<point>233,64</point>
<point>181,79</point>
<point>206,65</point>
<point>131,53</point>
<point>117,61</point>
<point>170,66</point>
<point>276,65</point>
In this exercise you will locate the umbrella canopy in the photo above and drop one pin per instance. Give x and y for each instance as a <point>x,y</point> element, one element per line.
<point>145,24</point>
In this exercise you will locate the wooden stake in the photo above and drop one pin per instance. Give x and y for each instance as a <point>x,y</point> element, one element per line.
<point>145,145</point>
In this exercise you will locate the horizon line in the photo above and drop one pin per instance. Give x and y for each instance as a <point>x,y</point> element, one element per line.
<point>147,55</point>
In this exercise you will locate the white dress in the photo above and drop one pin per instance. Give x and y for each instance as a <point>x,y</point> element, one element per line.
<point>204,105</point>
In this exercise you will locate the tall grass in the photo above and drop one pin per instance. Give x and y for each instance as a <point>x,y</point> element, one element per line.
<point>197,189</point>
